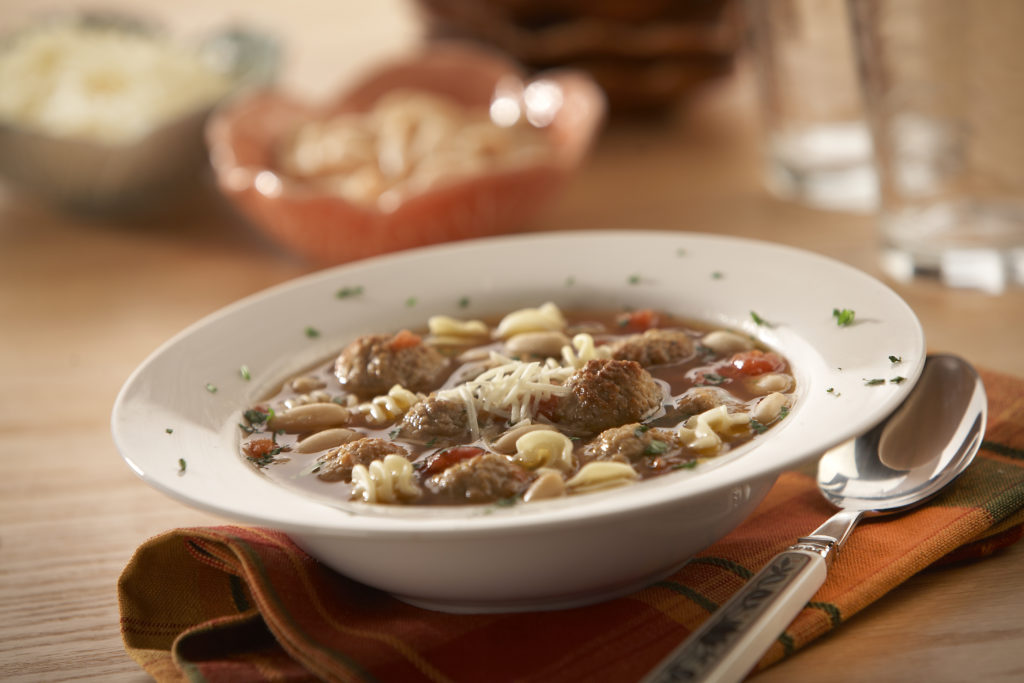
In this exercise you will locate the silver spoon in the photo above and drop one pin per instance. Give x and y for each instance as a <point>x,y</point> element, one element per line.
<point>929,440</point>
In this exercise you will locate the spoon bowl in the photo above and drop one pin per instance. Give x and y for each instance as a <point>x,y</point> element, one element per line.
<point>905,460</point>
<point>925,444</point>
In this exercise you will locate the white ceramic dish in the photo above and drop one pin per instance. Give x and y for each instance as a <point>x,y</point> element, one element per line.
<point>547,554</point>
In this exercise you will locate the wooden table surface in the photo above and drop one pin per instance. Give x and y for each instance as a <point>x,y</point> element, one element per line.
<point>82,302</point>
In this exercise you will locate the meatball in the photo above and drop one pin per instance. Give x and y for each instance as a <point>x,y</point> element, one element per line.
<point>436,421</point>
<point>607,393</point>
<point>654,347</point>
<point>372,364</point>
<point>337,463</point>
<point>629,443</point>
<point>699,400</point>
<point>484,478</point>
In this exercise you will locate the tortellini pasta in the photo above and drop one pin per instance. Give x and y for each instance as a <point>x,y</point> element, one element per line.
<point>602,475</point>
<point>544,448</point>
<point>392,405</point>
<point>384,481</point>
<point>704,432</point>
<point>544,318</point>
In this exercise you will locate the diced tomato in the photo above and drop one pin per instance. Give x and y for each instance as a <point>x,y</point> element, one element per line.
<point>259,448</point>
<point>757,362</point>
<point>445,458</point>
<point>404,340</point>
<point>639,321</point>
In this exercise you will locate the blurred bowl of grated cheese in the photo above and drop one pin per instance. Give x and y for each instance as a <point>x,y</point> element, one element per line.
<point>106,112</point>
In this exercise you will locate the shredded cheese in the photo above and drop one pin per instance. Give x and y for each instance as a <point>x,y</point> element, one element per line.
<point>512,389</point>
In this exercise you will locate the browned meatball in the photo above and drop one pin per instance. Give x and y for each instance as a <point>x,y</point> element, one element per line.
<point>607,393</point>
<point>483,478</point>
<point>337,463</point>
<point>629,443</point>
<point>374,363</point>
<point>698,400</point>
<point>436,421</point>
<point>654,347</point>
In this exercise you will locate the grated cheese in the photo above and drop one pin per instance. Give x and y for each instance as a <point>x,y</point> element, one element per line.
<point>513,389</point>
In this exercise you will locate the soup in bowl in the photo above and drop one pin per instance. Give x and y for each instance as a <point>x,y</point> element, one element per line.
<point>524,422</point>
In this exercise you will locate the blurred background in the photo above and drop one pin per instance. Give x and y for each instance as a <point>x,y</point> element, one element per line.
<point>754,118</point>
<point>719,116</point>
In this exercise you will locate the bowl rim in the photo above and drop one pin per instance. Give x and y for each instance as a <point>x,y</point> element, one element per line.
<point>144,406</point>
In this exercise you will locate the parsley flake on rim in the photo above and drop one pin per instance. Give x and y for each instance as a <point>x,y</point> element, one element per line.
<point>758,320</point>
<point>349,292</point>
<point>312,332</point>
<point>844,317</point>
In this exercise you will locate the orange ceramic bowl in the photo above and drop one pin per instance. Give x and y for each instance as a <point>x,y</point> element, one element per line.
<point>326,229</point>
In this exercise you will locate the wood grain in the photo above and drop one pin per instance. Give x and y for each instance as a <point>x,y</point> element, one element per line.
<point>82,302</point>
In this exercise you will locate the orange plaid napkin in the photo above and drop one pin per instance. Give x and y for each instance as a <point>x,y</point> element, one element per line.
<point>232,603</point>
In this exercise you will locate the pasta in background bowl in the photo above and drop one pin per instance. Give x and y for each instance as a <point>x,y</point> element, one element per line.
<point>451,143</point>
<point>854,347</point>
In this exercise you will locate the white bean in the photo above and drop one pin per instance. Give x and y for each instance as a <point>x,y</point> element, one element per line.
<point>547,344</point>
<point>309,418</point>
<point>306,383</point>
<point>723,342</point>
<point>328,438</point>
<point>549,484</point>
<point>769,407</point>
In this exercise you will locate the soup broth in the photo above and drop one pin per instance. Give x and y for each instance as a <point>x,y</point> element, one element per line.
<point>534,405</point>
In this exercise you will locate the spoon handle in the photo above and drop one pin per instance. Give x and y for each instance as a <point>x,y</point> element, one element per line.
<point>733,639</point>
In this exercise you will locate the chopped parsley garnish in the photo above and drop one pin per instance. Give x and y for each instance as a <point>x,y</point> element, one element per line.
<point>348,292</point>
<point>182,465</point>
<point>757,426</point>
<point>655,447</point>
<point>898,380</point>
<point>758,320</point>
<point>570,281</point>
<point>895,359</point>
<point>710,378</point>
<point>844,317</point>
<point>169,430</point>
<point>244,372</point>
<point>312,332</point>
<point>464,302</point>
<point>211,388</point>
<point>783,412</point>
<point>874,382</point>
<point>633,279</point>
<point>411,301</point>
<point>255,416</point>
<point>639,431</point>
<point>393,434</point>
<point>689,465</point>
<point>832,390</point>
<point>717,275</point>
